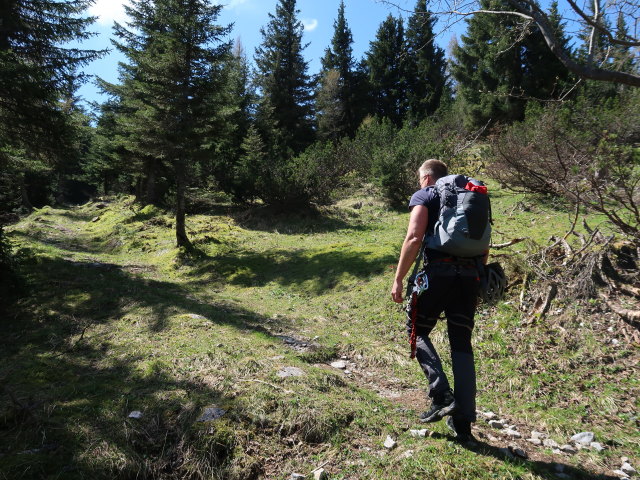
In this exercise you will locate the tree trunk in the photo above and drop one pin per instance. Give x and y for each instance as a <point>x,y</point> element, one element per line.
<point>24,194</point>
<point>181,233</point>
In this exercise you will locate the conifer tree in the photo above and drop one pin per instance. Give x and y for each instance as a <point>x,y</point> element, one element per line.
<point>426,65</point>
<point>171,86</point>
<point>37,73</point>
<point>623,57</point>
<point>385,63</point>
<point>336,99</point>
<point>285,104</point>
<point>498,68</point>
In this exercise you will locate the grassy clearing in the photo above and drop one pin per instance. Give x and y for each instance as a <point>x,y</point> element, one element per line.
<point>119,320</point>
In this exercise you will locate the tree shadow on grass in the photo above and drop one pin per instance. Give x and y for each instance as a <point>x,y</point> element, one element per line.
<point>543,469</point>
<point>60,393</point>
<point>268,219</point>
<point>316,271</point>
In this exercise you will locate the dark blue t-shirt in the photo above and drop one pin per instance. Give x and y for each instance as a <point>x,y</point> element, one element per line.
<point>428,198</point>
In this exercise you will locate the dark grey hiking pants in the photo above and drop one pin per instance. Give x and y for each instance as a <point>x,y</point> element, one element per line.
<point>453,289</point>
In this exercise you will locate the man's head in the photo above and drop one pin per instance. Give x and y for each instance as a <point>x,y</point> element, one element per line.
<point>430,171</point>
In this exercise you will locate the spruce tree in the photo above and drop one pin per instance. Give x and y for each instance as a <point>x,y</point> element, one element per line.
<point>171,86</point>
<point>337,96</point>
<point>499,67</point>
<point>37,128</point>
<point>623,57</point>
<point>425,65</point>
<point>285,104</point>
<point>386,67</point>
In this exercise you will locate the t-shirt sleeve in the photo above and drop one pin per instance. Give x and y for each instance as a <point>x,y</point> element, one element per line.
<point>424,197</point>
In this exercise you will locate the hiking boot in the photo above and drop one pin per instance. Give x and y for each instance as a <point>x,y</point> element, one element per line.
<point>442,406</point>
<point>461,428</point>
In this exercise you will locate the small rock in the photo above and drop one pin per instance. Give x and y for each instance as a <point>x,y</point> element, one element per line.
<point>347,372</point>
<point>568,449</point>
<point>489,415</point>
<point>583,438</point>
<point>556,451</point>
<point>538,435</point>
<point>339,364</point>
<point>95,219</point>
<point>624,459</point>
<point>548,442</point>
<point>628,469</point>
<point>297,476</point>
<point>320,474</point>
<point>220,345</point>
<point>290,372</point>
<point>518,452</point>
<point>510,432</point>
<point>137,414</point>
<point>390,443</point>
<point>211,413</point>
<point>491,438</point>
<point>418,433</point>
<point>596,446</point>
<point>195,316</point>
<point>620,473</point>
<point>496,424</point>
<point>535,441</point>
<point>407,454</point>
<point>615,341</point>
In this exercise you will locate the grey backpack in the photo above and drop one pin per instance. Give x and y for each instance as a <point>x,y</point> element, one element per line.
<point>463,228</point>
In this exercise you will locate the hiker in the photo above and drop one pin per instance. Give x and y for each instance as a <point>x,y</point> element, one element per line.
<point>453,283</point>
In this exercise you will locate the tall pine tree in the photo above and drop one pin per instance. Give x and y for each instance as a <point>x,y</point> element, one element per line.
<point>425,65</point>
<point>37,73</point>
<point>386,68</point>
<point>337,97</point>
<point>171,87</point>
<point>285,104</point>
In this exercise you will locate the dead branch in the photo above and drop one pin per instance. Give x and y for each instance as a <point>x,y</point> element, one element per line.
<point>507,244</point>
<point>631,316</point>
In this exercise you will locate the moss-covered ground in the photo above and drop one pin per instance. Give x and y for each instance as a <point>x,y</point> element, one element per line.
<point>115,319</point>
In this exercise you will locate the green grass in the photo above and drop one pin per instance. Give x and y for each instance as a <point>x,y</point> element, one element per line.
<point>117,319</point>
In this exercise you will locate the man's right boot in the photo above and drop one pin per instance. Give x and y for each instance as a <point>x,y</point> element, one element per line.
<point>444,404</point>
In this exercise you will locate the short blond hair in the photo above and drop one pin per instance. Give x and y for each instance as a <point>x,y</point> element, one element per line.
<point>434,168</point>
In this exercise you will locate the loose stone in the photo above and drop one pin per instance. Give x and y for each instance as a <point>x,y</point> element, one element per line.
<point>320,474</point>
<point>548,442</point>
<point>297,476</point>
<point>628,469</point>
<point>407,454</point>
<point>620,473</point>
<point>496,424</point>
<point>290,372</point>
<point>390,443</point>
<point>583,438</point>
<point>535,441</point>
<point>596,446</point>
<point>518,452</point>
<point>568,449</point>
<point>510,432</point>
<point>339,364</point>
<point>137,414</point>
<point>211,413</point>
<point>538,435</point>
<point>418,433</point>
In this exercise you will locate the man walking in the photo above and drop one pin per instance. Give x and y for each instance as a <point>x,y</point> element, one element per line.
<point>453,284</point>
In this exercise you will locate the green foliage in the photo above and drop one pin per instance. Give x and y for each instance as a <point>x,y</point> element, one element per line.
<point>386,68</point>
<point>337,112</point>
<point>392,156</point>
<point>284,108</point>
<point>586,153</point>
<point>499,67</point>
<point>426,65</point>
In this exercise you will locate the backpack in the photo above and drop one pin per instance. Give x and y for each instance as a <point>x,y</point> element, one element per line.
<point>463,228</point>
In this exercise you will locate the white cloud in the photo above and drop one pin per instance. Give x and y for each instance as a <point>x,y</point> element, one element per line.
<point>310,24</point>
<point>109,10</point>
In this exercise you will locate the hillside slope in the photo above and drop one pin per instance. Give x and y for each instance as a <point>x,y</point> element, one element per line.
<point>123,342</point>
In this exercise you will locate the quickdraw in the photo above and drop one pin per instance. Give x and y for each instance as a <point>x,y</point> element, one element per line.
<point>420,284</point>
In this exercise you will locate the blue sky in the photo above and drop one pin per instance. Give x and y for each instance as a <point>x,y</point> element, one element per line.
<point>248,16</point>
